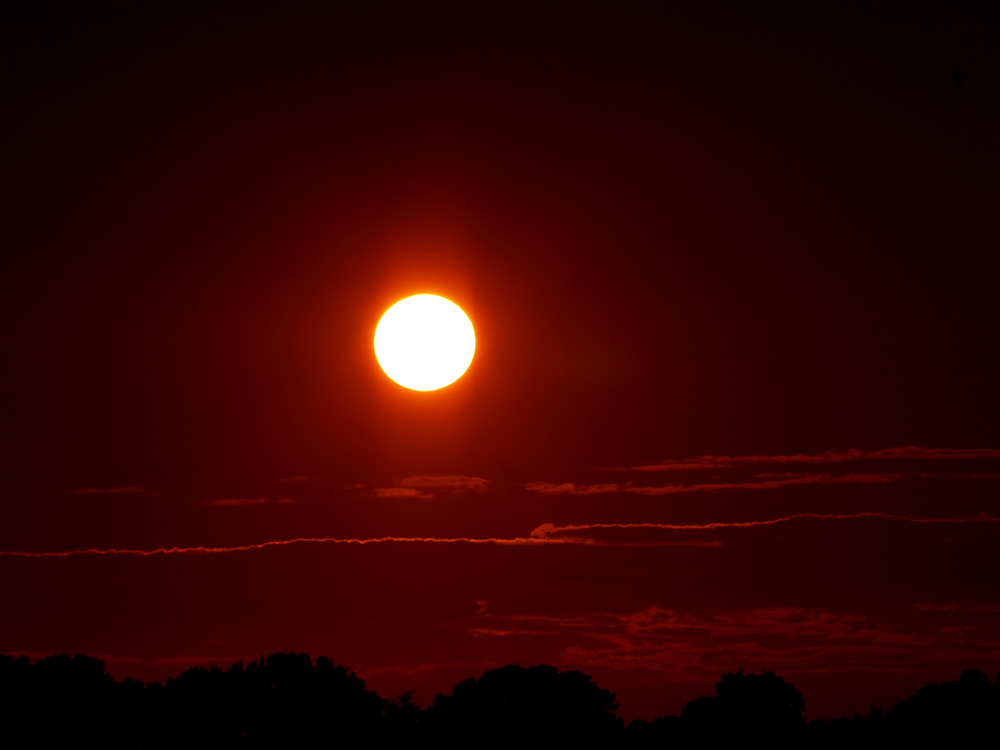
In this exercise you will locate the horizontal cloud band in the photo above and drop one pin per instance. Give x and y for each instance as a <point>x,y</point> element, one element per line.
<point>546,530</point>
<point>676,489</point>
<point>910,452</point>
<point>539,536</point>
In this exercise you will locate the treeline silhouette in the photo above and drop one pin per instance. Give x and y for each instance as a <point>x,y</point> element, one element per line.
<point>288,701</point>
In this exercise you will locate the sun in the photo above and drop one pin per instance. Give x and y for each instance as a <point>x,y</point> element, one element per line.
<point>425,342</point>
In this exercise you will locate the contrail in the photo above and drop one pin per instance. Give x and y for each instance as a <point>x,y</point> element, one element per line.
<point>908,452</point>
<point>277,543</point>
<point>514,542</point>
<point>543,531</point>
<point>567,488</point>
<point>540,536</point>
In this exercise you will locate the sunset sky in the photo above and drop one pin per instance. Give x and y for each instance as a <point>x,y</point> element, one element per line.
<point>733,274</point>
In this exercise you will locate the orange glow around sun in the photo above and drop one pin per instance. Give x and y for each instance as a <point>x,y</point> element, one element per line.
<point>425,342</point>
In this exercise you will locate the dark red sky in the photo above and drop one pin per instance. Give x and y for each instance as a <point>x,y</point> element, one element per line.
<point>767,235</point>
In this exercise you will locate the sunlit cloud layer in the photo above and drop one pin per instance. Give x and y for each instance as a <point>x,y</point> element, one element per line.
<point>689,646</point>
<point>827,457</point>
<point>454,483</point>
<point>545,534</point>
<point>566,488</point>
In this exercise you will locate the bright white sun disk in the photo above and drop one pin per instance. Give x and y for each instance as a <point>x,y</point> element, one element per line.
<point>425,342</point>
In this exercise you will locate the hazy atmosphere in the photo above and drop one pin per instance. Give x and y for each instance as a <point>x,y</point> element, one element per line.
<point>732,271</point>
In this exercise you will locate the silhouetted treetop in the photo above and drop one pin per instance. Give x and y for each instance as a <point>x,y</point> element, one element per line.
<point>534,706</point>
<point>956,711</point>
<point>58,700</point>
<point>745,707</point>
<point>281,700</point>
<point>749,703</point>
<point>287,700</point>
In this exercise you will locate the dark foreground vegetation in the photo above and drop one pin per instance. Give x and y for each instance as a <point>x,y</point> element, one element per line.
<point>289,701</point>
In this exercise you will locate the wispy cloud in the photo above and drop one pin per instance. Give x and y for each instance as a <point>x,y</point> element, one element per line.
<point>501,633</point>
<point>933,454</point>
<point>974,608</point>
<point>769,484</point>
<point>545,534</point>
<point>400,492</point>
<point>567,488</point>
<point>691,646</point>
<point>909,452</point>
<point>236,501</point>
<point>420,487</point>
<point>276,543</point>
<point>543,488</point>
<point>454,483</point>
<point>548,531</point>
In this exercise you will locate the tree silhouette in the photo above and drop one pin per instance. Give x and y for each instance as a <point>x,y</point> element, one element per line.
<point>746,708</point>
<point>289,700</point>
<point>281,700</point>
<point>749,704</point>
<point>59,700</point>
<point>957,712</point>
<point>859,732</point>
<point>517,707</point>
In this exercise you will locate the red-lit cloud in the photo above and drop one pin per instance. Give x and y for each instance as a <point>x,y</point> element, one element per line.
<point>275,543</point>
<point>420,486</point>
<point>237,501</point>
<point>400,492</point>
<point>687,646</point>
<point>567,488</point>
<point>449,483</point>
<point>827,457</point>
<point>769,484</point>
<point>543,488</point>
<point>547,533</point>
<point>933,454</point>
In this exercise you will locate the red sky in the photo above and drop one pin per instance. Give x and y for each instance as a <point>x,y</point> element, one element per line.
<point>733,279</point>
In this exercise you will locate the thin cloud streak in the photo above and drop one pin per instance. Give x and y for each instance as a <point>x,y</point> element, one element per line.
<point>910,452</point>
<point>933,454</point>
<point>689,646</point>
<point>400,492</point>
<point>453,483</point>
<point>567,488</point>
<point>277,543</point>
<point>514,542</point>
<point>770,484</point>
<point>420,487</point>
<point>540,535</point>
<point>232,502</point>
<point>546,529</point>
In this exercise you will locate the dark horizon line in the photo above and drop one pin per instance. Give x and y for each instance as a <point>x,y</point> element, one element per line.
<point>240,665</point>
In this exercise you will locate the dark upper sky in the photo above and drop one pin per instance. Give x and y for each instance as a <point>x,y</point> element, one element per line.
<point>762,234</point>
